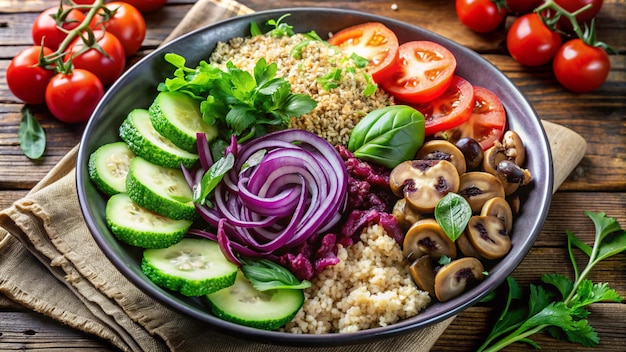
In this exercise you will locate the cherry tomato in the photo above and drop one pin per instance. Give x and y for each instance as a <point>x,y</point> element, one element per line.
<point>574,5</point>
<point>581,68</point>
<point>25,78</point>
<point>127,24</point>
<point>450,109</point>
<point>531,42</point>
<point>45,27</point>
<point>73,97</point>
<point>108,69</point>
<point>147,5</point>
<point>425,70</point>
<point>373,41</point>
<point>481,16</point>
<point>522,6</point>
<point>486,122</point>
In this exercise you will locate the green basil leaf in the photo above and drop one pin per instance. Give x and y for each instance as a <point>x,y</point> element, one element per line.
<point>213,177</point>
<point>388,136</point>
<point>265,275</point>
<point>453,213</point>
<point>31,135</point>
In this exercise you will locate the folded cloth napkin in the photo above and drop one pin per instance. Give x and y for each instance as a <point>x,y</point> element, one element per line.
<point>50,264</point>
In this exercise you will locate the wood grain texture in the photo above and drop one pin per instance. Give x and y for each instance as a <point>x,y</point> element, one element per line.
<point>597,183</point>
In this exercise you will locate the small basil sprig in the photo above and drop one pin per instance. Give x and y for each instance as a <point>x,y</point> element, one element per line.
<point>31,135</point>
<point>212,178</point>
<point>452,214</point>
<point>265,275</point>
<point>388,136</point>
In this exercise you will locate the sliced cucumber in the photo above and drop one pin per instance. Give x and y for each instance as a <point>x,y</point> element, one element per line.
<point>194,267</point>
<point>241,303</point>
<point>108,167</point>
<point>162,190</point>
<point>140,227</point>
<point>177,117</point>
<point>145,141</point>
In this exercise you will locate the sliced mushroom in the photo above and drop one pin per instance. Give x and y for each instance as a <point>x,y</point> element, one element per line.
<point>424,182</point>
<point>426,237</point>
<point>472,151</point>
<point>405,215</point>
<point>453,278</point>
<point>477,187</point>
<point>488,236</point>
<point>513,173</point>
<point>514,147</point>
<point>501,209</point>
<point>466,247</point>
<point>423,274</point>
<point>438,149</point>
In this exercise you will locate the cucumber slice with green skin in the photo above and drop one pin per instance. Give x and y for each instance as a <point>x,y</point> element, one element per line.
<point>162,190</point>
<point>137,131</point>
<point>193,266</point>
<point>177,116</point>
<point>243,304</point>
<point>140,227</point>
<point>108,167</point>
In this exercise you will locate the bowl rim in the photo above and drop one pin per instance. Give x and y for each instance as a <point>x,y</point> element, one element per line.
<point>455,306</point>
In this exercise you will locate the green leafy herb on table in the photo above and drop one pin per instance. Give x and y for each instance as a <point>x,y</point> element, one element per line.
<point>31,135</point>
<point>240,103</point>
<point>566,316</point>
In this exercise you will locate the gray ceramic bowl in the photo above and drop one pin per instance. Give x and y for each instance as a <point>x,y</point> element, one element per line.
<point>137,87</point>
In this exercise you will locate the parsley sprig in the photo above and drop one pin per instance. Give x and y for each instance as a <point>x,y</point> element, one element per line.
<point>240,103</point>
<point>564,317</point>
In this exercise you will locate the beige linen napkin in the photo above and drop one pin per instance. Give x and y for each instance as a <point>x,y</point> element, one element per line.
<point>50,264</point>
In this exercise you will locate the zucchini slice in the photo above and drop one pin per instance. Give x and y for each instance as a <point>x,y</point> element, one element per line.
<point>140,227</point>
<point>160,189</point>
<point>243,304</point>
<point>193,266</point>
<point>137,131</point>
<point>108,167</point>
<point>177,116</point>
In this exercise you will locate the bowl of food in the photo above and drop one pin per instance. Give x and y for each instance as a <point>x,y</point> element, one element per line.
<point>372,200</point>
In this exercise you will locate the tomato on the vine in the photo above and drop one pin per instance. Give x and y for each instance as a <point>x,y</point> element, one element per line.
<point>481,16</point>
<point>108,67</point>
<point>45,27</point>
<point>522,6</point>
<point>72,97</point>
<point>372,41</point>
<point>127,24</point>
<point>147,5</point>
<point>580,67</point>
<point>530,42</point>
<point>425,70</point>
<point>449,109</point>
<point>25,78</point>
<point>486,122</point>
<point>573,6</point>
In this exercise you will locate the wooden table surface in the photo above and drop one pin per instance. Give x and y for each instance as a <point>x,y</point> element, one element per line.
<point>598,183</point>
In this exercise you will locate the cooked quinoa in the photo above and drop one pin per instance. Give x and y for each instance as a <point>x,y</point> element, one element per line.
<point>370,287</point>
<point>338,109</point>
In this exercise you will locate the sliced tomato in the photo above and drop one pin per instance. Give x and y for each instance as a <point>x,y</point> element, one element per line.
<point>486,123</point>
<point>373,41</point>
<point>452,108</point>
<point>425,70</point>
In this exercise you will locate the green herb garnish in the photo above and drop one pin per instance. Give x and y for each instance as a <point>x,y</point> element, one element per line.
<point>31,135</point>
<point>266,275</point>
<point>212,177</point>
<point>452,214</point>
<point>567,315</point>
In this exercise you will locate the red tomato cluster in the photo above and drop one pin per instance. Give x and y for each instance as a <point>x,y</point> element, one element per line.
<point>70,74</point>
<point>422,74</point>
<point>580,65</point>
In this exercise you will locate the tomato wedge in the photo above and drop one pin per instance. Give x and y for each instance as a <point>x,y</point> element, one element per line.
<point>425,70</point>
<point>450,109</point>
<point>486,123</point>
<point>373,41</point>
